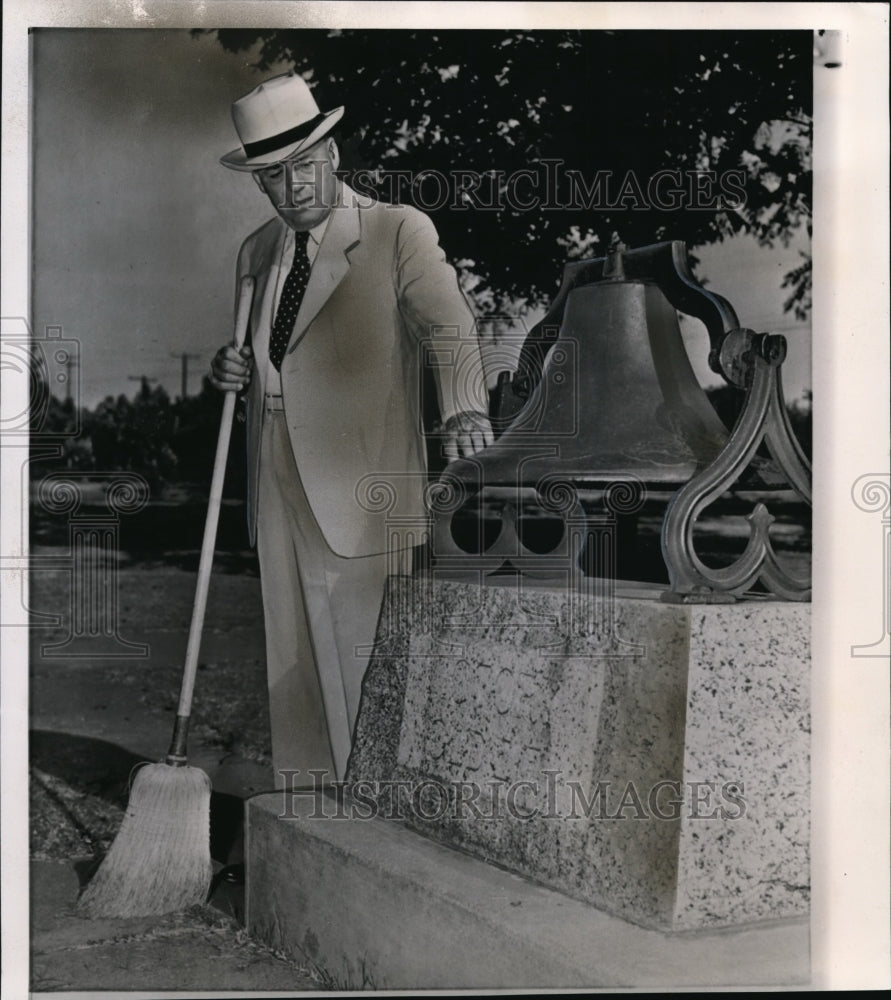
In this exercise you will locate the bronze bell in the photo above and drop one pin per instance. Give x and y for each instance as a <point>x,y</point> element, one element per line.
<point>617,398</point>
<point>604,397</point>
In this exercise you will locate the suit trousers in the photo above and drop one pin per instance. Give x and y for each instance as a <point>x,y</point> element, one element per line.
<point>320,611</point>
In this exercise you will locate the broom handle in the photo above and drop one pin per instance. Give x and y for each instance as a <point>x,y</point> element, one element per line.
<point>177,753</point>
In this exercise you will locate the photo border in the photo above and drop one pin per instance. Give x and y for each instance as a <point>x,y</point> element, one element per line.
<point>850,792</point>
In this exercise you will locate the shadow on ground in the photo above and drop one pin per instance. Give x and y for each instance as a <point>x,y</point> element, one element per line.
<point>79,791</point>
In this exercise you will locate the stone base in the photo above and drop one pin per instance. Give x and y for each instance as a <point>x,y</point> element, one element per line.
<point>649,759</point>
<point>372,905</point>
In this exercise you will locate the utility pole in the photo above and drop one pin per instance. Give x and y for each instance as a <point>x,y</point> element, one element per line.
<point>185,356</point>
<point>144,379</point>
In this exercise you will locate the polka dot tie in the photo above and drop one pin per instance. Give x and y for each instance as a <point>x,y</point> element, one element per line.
<point>289,303</point>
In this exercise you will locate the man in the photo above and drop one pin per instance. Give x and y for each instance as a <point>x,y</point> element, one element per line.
<point>352,296</point>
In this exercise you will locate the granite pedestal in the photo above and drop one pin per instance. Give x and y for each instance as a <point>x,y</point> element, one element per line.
<point>651,759</point>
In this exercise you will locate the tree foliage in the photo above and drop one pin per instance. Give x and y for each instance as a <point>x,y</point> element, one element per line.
<point>164,440</point>
<point>624,106</point>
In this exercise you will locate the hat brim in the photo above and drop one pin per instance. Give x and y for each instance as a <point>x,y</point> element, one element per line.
<point>239,160</point>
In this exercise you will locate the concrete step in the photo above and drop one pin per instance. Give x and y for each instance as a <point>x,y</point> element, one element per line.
<point>369,904</point>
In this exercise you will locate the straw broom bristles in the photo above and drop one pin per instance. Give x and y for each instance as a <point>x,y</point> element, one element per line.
<point>160,859</point>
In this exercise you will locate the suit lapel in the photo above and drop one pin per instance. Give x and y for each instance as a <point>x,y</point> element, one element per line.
<point>331,264</point>
<point>265,267</point>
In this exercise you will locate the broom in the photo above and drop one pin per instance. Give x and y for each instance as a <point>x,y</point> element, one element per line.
<point>160,860</point>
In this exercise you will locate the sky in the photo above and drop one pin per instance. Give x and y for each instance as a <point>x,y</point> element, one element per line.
<point>136,226</point>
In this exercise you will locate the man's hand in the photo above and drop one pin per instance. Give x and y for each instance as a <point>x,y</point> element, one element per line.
<point>231,370</point>
<point>467,433</point>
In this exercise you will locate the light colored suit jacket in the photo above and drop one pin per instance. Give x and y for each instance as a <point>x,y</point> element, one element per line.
<point>381,302</point>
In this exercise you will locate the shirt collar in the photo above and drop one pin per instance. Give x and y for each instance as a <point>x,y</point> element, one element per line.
<point>315,234</point>
<point>318,231</point>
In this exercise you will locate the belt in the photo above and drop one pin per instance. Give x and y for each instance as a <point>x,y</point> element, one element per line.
<point>274,403</point>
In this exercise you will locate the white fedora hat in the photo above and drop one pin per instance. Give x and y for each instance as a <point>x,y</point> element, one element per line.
<point>276,120</point>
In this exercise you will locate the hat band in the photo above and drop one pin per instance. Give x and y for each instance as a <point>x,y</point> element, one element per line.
<point>283,138</point>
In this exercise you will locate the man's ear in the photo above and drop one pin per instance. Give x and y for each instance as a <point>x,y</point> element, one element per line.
<point>257,181</point>
<point>334,153</point>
